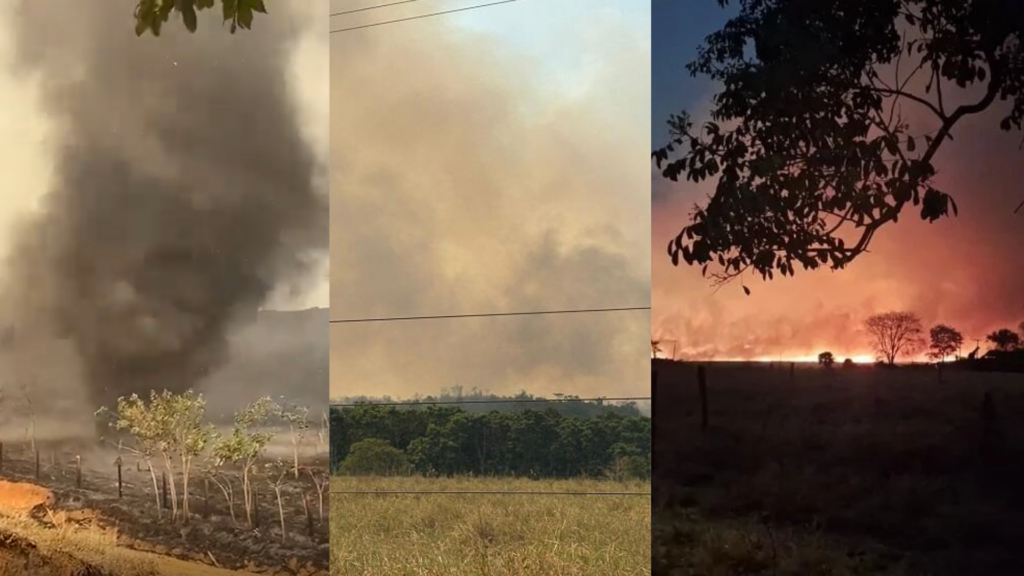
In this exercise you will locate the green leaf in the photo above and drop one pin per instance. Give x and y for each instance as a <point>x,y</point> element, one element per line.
<point>188,14</point>
<point>245,14</point>
<point>746,290</point>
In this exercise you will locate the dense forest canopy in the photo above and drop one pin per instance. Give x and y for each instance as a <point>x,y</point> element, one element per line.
<point>539,443</point>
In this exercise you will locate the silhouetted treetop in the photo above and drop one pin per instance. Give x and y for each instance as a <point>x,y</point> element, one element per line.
<point>807,137</point>
<point>1005,340</point>
<point>893,334</point>
<point>945,340</point>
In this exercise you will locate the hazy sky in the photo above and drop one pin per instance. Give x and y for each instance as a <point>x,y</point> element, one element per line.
<point>966,271</point>
<point>494,160</point>
<point>25,154</point>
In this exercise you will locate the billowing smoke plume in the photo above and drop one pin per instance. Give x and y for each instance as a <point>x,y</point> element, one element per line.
<point>183,190</point>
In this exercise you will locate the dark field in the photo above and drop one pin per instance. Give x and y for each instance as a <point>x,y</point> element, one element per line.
<point>835,472</point>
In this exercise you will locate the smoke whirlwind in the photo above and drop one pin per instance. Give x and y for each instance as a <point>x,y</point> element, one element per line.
<point>183,191</point>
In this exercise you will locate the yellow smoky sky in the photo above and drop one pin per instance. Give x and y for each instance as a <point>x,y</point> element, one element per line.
<point>471,173</point>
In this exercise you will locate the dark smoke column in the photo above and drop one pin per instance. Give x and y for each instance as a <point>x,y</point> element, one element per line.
<point>182,193</point>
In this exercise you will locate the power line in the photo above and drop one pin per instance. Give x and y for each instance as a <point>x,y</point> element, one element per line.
<point>509,401</point>
<point>486,493</point>
<point>487,315</point>
<point>368,8</point>
<point>422,16</point>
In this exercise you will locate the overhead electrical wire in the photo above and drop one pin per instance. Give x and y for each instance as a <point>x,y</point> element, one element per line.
<point>421,16</point>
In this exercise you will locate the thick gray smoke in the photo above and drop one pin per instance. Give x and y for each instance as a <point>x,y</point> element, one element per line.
<point>183,190</point>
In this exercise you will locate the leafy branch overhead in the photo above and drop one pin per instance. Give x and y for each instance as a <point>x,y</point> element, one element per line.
<point>809,136</point>
<point>151,15</point>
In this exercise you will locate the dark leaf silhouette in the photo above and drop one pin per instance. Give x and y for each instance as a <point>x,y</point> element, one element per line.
<point>805,144</point>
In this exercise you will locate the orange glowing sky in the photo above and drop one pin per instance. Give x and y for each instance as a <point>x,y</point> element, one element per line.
<point>966,271</point>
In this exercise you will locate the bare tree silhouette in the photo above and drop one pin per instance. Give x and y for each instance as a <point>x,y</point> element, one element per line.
<point>894,333</point>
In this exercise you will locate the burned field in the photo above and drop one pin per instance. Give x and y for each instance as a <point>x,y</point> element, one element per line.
<point>837,471</point>
<point>286,532</point>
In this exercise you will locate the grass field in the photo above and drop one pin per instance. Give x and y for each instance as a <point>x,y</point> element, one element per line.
<point>489,535</point>
<point>838,472</point>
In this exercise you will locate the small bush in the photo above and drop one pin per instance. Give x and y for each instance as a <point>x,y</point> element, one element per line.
<point>375,457</point>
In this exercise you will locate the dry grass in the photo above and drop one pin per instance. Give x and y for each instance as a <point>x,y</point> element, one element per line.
<point>489,535</point>
<point>838,472</point>
<point>36,539</point>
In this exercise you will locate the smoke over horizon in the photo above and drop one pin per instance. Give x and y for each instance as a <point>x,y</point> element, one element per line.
<point>966,271</point>
<point>471,174</point>
<point>184,193</point>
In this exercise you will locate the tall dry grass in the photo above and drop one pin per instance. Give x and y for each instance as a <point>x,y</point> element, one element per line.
<point>489,535</point>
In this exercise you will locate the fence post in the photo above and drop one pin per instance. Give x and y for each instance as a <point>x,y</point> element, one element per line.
<point>309,514</point>
<point>255,507</point>
<point>206,497</point>
<point>702,388</point>
<point>78,471</point>
<point>991,432</point>
<point>654,419</point>
<point>120,489</point>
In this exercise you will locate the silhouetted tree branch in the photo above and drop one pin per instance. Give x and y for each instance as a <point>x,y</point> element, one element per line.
<point>806,138</point>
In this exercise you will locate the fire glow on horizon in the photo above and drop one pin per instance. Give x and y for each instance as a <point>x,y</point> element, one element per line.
<point>965,271</point>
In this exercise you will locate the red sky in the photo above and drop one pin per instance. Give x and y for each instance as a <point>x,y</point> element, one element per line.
<point>966,271</point>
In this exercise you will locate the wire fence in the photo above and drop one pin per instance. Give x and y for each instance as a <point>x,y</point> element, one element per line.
<point>487,492</point>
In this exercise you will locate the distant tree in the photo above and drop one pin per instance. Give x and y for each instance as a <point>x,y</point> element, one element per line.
<point>894,333</point>
<point>945,340</point>
<point>848,363</point>
<point>1005,340</point>
<point>826,359</point>
<point>151,15</point>
<point>375,457</point>
<point>810,143</point>
<point>655,348</point>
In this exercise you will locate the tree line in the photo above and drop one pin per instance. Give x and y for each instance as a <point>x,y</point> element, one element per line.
<point>895,334</point>
<point>370,439</point>
<point>476,400</point>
